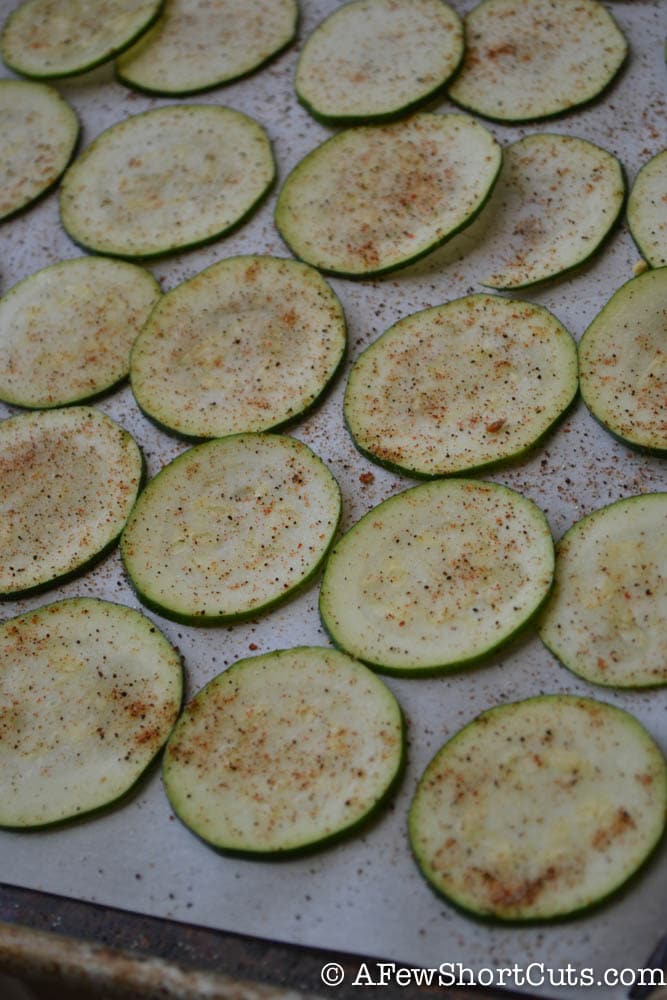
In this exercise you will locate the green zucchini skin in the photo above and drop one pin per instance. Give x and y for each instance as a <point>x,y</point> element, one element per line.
<point>649,243</point>
<point>638,439</point>
<point>555,109</point>
<point>402,109</point>
<point>93,225</point>
<point>81,564</point>
<point>520,904</point>
<point>201,88</point>
<point>181,769</point>
<point>72,70</point>
<point>45,640</point>
<point>260,341</point>
<point>43,189</point>
<point>614,549</point>
<point>352,580</point>
<point>293,236</point>
<point>374,395</point>
<point>180,606</point>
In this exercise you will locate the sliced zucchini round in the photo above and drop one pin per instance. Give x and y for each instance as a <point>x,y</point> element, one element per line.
<point>647,210</point>
<point>66,331</point>
<point>68,481</point>
<point>246,345</point>
<point>374,59</point>
<point>606,619</point>
<point>91,691</point>
<point>622,369</point>
<point>528,59</point>
<point>51,38</point>
<point>556,200</point>
<point>230,528</point>
<point>372,199</point>
<point>166,179</point>
<point>460,386</point>
<point>540,808</point>
<point>38,133</point>
<point>196,44</point>
<point>438,576</point>
<point>284,751</point>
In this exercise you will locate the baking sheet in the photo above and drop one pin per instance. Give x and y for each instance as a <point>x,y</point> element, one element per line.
<point>365,895</point>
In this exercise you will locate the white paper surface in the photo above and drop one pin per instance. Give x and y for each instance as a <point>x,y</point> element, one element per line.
<point>365,895</point>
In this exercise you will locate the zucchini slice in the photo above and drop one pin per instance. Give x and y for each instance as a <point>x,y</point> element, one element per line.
<point>438,576</point>
<point>91,691</point>
<point>52,38</point>
<point>246,345</point>
<point>196,45</point>
<point>606,619</point>
<point>622,370</point>
<point>230,528</point>
<point>284,751</point>
<point>528,59</point>
<point>66,331</point>
<point>540,808</point>
<point>166,179</point>
<point>647,210</point>
<point>374,59</point>
<point>38,133</point>
<point>556,200</point>
<point>461,386</point>
<point>69,479</point>
<point>374,198</point>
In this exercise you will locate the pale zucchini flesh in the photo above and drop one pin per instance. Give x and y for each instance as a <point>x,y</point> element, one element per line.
<point>540,808</point>
<point>373,59</point>
<point>90,692</point>
<point>437,577</point>
<point>231,527</point>
<point>53,38</point>
<point>284,752</point>
<point>38,134</point>
<point>68,479</point>
<point>166,179</point>
<point>647,210</point>
<point>246,345</point>
<point>199,44</point>
<point>622,368</point>
<point>556,200</point>
<point>606,619</point>
<point>530,59</point>
<point>374,198</point>
<point>461,386</point>
<point>67,330</point>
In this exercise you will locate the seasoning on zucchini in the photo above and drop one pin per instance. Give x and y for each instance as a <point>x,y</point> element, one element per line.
<point>196,45</point>
<point>647,210</point>
<point>374,198</point>
<point>91,691</point>
<point>438,576</point>
<point>51,38</point>
<point>69,479</point>
<point>622,363</point>
<point>535,58</point>
<point>230,528</point>
<point>606,619</point>
<point>540,808</point>
<point>375,59</point>
<point>246,345</point>
<point>556,199</point>
<point>66,331</point>
<point>284,752</point>
<point>166,179</point>
<point>38,133</point>
<point>460,386</point>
